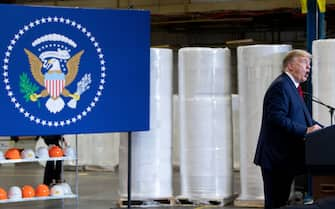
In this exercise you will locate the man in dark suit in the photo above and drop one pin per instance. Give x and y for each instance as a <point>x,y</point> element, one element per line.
<point>285,122</point>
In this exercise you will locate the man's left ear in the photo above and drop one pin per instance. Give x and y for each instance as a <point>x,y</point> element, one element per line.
<point>290,66</point>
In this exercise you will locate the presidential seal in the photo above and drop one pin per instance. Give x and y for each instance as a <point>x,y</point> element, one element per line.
<point>57,76</point>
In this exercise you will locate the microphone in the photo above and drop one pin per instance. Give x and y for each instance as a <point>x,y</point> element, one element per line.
<point>331,109</point>
<point>317,100</point>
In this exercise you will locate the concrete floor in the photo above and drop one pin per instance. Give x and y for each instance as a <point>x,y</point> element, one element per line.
<point>97,189</point>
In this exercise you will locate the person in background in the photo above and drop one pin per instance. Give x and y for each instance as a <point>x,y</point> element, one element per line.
<point>286,120</point>
<point>53,169</point>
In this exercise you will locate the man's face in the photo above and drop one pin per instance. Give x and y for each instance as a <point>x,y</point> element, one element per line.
<point>300,68</point>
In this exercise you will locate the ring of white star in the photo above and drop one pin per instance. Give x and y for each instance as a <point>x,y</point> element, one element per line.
<point>88,34</point>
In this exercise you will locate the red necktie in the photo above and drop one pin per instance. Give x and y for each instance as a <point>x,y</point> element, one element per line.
<point>301,93</point>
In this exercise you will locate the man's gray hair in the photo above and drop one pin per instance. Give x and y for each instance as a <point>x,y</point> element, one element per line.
<point>291,55</point>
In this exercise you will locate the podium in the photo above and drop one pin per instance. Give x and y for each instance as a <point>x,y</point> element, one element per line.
<point>320,161</point>
<point>320,149</point>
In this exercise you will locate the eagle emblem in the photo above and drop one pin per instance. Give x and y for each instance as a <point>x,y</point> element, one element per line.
<point>57,71</point>
<point>47,73</point>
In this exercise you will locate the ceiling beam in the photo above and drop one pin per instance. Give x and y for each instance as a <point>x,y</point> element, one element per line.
<point>172,7</point>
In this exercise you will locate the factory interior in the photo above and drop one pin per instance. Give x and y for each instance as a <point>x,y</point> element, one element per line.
<point>211,62</point>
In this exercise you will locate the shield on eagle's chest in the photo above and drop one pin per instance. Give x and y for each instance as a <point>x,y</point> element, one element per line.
<point>54,84</point>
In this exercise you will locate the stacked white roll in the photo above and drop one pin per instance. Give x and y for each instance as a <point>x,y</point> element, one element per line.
<point>101,150</point>
<point>151,150</point>
<point>205,123</point>
<point>258,66</point>
<point>323,78</point>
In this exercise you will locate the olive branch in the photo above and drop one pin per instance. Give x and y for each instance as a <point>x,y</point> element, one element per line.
<point>27,87</point>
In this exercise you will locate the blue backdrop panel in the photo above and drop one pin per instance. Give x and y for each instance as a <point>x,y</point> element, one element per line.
<point>69,70</point>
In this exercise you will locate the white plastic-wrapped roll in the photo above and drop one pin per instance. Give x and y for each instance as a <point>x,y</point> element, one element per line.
<point>258,66</point>
<point>96,149</point>
<point>235,106</point>
<point>204,72</point>
<point>151,150</point>
<point>323,78</point>
<point>205,123</point>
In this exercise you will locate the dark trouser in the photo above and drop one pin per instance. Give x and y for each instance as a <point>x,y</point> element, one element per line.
<point>52,172</point>
<point>277,187</point>
<point>53,169</point>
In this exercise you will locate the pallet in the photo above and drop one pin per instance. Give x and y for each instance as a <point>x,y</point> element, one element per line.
<point>123,203</point>
<point>182,201</point>
<point>249,203</point>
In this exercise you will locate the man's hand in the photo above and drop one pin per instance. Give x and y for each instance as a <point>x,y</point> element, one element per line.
<point>313,128</point>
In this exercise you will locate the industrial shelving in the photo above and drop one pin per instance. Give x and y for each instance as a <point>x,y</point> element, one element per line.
<point>62,197</point>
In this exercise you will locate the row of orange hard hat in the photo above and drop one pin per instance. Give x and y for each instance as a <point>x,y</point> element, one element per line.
<point>42,152</point>
<point>41,190</point>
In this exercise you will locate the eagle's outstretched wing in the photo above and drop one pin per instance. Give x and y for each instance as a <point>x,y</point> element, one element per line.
<point>35,67</point>
<point>72,66</point>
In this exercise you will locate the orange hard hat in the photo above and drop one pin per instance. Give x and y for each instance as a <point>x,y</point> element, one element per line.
<point>42,190</point>
<point>13,153</point>
<point>3,194</point>
<point>55,151</point>
<point>28,191</point>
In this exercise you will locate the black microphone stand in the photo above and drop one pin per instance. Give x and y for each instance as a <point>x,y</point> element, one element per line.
<point>317,100</point>
<point>330,108</point>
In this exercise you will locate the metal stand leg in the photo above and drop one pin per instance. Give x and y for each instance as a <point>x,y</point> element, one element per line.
<point>77,181</point>
<point>129,169</point>
<point>62,144</point>
<point>62,179</point>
